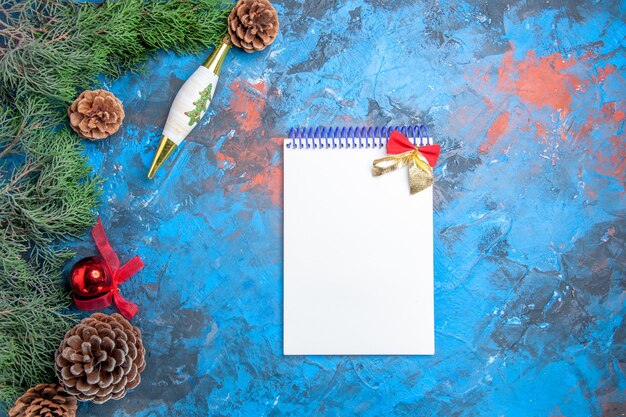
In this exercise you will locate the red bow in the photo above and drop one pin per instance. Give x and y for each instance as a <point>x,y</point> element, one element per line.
<point>120,274</point>
<point>398,143</point>
<point>420,160</point>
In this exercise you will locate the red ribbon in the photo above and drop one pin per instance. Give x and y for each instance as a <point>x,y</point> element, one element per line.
<point>119,273</point>
<point>398,143</point>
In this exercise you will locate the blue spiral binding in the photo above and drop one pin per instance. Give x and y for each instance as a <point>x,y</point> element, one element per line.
<point>353,137</point>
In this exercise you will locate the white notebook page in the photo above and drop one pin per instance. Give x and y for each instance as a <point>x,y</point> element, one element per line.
<point>358,256</point>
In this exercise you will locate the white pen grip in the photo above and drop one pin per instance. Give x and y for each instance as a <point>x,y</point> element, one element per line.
<point>190,104</point>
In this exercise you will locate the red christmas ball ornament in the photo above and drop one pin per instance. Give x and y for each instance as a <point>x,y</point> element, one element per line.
<point>95,280</point>
<point>91,277</point>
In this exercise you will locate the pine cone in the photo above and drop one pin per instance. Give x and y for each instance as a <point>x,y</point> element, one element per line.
<point>100,358</point>
<point>44,400</point>
<point>96,114</point>
<point>253,24</point>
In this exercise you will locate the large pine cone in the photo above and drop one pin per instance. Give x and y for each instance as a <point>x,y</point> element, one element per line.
<point>100,358</point>
<point>44,400</point>
<point>96,114</point>
<point>253,24</point>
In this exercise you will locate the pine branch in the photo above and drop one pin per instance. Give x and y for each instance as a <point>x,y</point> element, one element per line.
<point>56,48</point>
<point>49,51</point>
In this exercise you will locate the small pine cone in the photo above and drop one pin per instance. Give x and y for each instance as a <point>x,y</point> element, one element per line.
<point>100,358</point>
<point>253,24</point>
<point>44,400</point>
<point>96,114</point>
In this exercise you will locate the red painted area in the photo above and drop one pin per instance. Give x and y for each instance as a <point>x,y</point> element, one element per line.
<point>252,165</point>
<point>605,72</point>
<point>271,181</point>
<point>586,129</point>
<point>497,129</point>
<point>608,111</point>
<point>540,130</point>
<point>247,104</point>
<point>249,159</point>
<point>540,81</point>
<point>224,160</point>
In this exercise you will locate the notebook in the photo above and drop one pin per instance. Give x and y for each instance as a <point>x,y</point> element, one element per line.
<point>358,249</point>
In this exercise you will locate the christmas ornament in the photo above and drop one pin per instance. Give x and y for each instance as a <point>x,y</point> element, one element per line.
<point>44,400</point>
<point>253,24</point>
<point>190,104</point>
<point>91,277</point>
<point>420,160</point>
<point>96,114</point>
<point>100,358</point>
<point>94,280</point>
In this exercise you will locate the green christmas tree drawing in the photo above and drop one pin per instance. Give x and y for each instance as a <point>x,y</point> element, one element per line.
<point>195,114</point>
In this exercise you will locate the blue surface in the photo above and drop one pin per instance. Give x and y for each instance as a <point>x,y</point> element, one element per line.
<point>527,100</point>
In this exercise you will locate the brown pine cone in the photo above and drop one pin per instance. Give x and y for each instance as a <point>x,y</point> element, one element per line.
<point>44,400</point>
<point>253,24</point>
<point>100,358</point>
<point>96,114</point>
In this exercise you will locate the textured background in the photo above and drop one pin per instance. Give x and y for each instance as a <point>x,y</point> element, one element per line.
<point>527,99</point>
